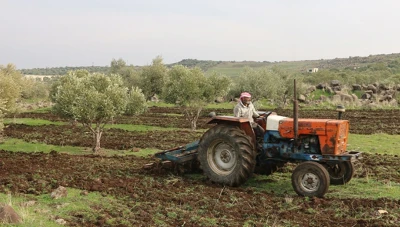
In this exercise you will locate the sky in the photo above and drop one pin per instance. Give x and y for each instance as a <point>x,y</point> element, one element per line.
<point>39,33</point>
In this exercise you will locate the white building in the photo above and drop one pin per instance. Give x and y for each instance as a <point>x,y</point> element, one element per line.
<point>312,70</point>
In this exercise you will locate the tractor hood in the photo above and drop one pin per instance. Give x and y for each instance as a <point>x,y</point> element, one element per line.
<point>273,122</point>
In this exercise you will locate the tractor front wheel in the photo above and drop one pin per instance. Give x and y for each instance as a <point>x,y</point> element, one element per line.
<point>310,179</point>
<point>226,155</point>
<point>340,172</point>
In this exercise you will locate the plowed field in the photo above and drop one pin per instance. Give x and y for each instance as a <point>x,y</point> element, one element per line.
<point>183,199</point>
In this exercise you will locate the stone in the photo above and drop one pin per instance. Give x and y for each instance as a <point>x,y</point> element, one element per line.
<point>335,83</point>
<point>372,88</point>
<point>8,215</point>
<point>61,221</point>
<point>355,98</point>
<point>329,90</point>
<point>321,86</point>
<point>356,87</point>
<point>311,89</point>
<point>346,98</point>
<point>337,88</point>
<point>383,87</point>
<point>301,98</point>
<point>59,193</point>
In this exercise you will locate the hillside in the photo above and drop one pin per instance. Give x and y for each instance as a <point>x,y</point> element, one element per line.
<point>234,68</point>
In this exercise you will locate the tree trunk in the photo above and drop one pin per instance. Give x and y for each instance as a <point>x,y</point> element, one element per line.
<point>97,137</point>
<point>193,124</point>
<point>193,115</point>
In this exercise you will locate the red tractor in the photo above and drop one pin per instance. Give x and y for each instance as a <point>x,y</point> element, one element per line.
<point>229,152</point>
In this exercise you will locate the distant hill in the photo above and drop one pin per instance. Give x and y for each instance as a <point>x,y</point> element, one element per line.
<point>234,68</point>
<point>62,70</point>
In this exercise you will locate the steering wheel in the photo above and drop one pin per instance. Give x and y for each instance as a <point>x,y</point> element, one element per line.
<point>266,114</point>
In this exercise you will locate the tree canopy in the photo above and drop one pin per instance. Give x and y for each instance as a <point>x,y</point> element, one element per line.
<point>93,99</point>
<point>153,77</point>
<point>191,89</point>
<point>10,85</point>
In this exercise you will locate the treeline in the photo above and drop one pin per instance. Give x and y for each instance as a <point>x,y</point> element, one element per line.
<point>190,63</point>
<point>202,64</point>
<point>64,70</point>
<point>372,62</point>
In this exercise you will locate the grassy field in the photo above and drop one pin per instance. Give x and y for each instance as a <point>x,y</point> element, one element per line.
<point>375,143</point>
<point>41,210</point>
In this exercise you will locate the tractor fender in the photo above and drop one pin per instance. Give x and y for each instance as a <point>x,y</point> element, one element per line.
<point>242,123</point>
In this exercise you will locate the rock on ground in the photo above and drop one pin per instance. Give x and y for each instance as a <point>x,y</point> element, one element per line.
<point>59,192</point>
<point>8,215</point>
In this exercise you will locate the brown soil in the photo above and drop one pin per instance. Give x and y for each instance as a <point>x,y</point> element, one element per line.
<point>361,121</point>
<point>158,190</point>
<point>111,139</point>
<point>124,177</point>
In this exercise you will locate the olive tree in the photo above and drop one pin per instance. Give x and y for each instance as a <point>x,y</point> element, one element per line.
<point>153,77</point>
<point>261,83</point>
<point>136,102</point>
<point>190,89</point>
<point>220,85</point>
<point>92,99</point>
<point>117,65</point>
<point>10,86</point>
<point>129,74</point>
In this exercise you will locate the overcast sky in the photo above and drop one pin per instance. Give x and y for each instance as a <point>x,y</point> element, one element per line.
<point>39,33</point>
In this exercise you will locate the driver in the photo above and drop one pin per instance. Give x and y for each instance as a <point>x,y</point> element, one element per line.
<point>245,108</point>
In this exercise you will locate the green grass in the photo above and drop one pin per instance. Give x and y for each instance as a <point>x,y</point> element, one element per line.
<point>45,209</point>
<point>316,95</point>
<point>18,145</point>
<point>280,184</point>
<point>365,188</point>
<point>11,144</point>
<point>127,127</point>
<point>31,121</point>
<point>231,72</point>
<point>375,143</point>
<point>41,110</point>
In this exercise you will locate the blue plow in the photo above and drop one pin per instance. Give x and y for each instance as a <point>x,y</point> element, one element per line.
<point>179,154</point>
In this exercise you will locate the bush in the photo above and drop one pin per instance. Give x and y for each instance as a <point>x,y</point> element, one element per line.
<point>136,102</point>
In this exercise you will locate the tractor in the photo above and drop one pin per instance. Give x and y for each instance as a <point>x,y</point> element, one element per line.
<point>230,152</point>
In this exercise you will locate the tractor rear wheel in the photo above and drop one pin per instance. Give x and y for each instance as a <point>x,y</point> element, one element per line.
<point>310,179</point>
<point>226,155</point>
<point>340,172</point>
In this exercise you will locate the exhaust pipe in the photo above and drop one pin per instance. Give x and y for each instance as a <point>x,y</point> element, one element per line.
<point>295,117</point>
